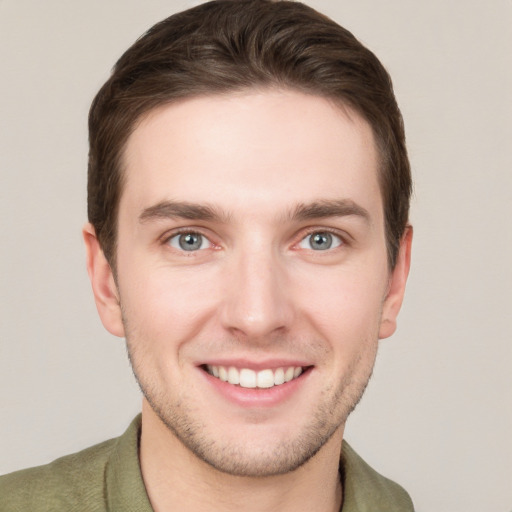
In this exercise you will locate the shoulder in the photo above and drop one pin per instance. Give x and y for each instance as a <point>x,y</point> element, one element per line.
<point>60,485</point>
<point>366,490</point>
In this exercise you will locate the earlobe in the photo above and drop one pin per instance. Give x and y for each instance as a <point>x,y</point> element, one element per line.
<point>396,290</point>
<point>103,284</point>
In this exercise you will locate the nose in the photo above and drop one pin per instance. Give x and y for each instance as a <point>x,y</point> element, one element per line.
<point>256,304</point>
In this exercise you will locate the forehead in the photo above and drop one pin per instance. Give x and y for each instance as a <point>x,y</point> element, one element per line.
<point>260,149</point>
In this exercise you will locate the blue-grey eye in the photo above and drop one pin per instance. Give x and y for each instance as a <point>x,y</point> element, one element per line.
<point>320,241</point>
<point>189,242</point>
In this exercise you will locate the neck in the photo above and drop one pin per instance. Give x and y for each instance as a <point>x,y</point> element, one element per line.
<point>177,480</point>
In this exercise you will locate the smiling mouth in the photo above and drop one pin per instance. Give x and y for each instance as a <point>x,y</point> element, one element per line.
<point>247,378</point>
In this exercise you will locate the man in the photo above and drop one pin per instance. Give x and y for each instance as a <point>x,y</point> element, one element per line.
<point>248,203</point>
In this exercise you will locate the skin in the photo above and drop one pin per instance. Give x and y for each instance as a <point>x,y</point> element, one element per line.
<point>260,172</point>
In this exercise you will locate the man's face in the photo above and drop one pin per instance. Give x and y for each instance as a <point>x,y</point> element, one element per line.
<point>251,248</point>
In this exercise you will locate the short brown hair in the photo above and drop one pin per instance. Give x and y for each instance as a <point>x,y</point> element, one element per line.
<point>228,45</point>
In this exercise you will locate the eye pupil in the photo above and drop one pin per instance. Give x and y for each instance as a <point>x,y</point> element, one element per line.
<point>321,241</point>
<point>190,241</point>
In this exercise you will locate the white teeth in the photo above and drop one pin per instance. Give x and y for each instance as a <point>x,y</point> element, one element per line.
<point>247,378</point>
<point>265,379</point>
<point>279,377</point>
<point>233,375</point>
<point>223,374</point>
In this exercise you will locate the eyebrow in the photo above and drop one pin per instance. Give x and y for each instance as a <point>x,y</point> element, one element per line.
<point>330,208</point>
<point>302,212</point>
<point>182,210</point>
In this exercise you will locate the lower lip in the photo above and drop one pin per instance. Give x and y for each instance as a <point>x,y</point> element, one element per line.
<point>257,397</point>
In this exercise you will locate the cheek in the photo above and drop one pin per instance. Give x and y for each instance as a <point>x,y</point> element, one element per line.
<point>345,305</point>
<point>164,302</point>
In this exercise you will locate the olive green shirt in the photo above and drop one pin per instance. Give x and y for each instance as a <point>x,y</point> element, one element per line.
<point>107,477</point>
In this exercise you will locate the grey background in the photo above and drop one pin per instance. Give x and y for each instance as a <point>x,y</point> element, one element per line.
<point>437,416</point>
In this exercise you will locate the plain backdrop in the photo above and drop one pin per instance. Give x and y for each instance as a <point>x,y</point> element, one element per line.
<point>437,416</point>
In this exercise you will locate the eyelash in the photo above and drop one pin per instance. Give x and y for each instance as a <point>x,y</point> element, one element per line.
<point>166,239</point>
<point>321,231</point>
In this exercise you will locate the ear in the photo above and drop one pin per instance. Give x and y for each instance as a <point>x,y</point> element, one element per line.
<point>396,288</point>
<point>103,284</point>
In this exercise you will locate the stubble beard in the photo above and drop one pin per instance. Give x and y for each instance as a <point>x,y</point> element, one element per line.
<point>277,456</point>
